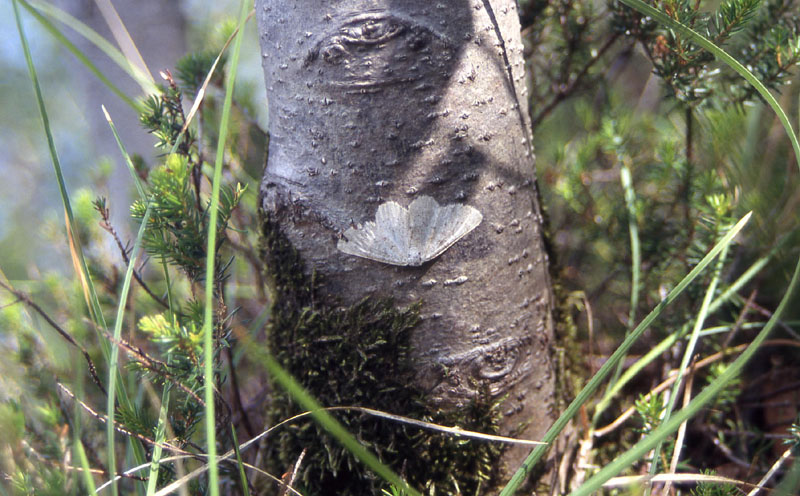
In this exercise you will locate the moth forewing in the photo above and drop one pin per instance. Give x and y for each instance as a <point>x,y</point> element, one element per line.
<point>392,229</point>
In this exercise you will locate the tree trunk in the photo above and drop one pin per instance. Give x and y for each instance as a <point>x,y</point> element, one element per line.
<point>377,101</point>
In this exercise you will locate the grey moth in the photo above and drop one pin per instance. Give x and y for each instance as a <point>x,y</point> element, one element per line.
<point>410,236</point>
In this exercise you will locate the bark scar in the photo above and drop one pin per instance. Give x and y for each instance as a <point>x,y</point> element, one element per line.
<point>374,50</point>
<point>493,368</point>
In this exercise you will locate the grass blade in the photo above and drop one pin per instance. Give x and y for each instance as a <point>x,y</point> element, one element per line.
<point>113,370</point>
<point>240,463</point>
<point>146,83</point>
<point>86,471</point>
<point>667,342</point>
<point>59,36</point>
<point>81,267</point>
<point>124,152</point>
<point>161,430</point>
<point>688,354</point>
<point>636,257</point>
<point>258,355</point>
<point>213,212</point>
<point>123,37</point>
<point>201,92</point>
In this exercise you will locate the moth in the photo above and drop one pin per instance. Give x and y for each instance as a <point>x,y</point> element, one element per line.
<point>410,236</point>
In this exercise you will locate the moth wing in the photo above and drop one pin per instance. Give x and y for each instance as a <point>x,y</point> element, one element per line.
<point>392,233</point>
<point>385,240</point>
<point>450,224</point>
<point>423,214</point>
<point>410,236</point>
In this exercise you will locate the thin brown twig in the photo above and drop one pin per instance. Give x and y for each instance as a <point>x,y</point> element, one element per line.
<point>760,435</point>
<point>154,365</point>
<point>106,225</point>
<point>761,397</point>
<point>30,303</point>
<point>88,446</point>
<point>740,319</point>
<point>768,314</point>
<point>686,187</point>
<point>222,316</point>
<point>249,253</point>
<point>728,452</point>
<point>565,93</point>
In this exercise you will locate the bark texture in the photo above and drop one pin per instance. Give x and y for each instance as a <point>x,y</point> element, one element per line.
<point>386,100</point>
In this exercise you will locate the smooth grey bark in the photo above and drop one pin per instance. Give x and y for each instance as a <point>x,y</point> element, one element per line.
<point>386,100</point>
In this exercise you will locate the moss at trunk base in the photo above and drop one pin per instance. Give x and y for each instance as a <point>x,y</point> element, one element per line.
<point>359,356</point>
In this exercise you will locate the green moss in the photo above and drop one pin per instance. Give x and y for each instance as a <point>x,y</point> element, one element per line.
<point>359,356</point>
